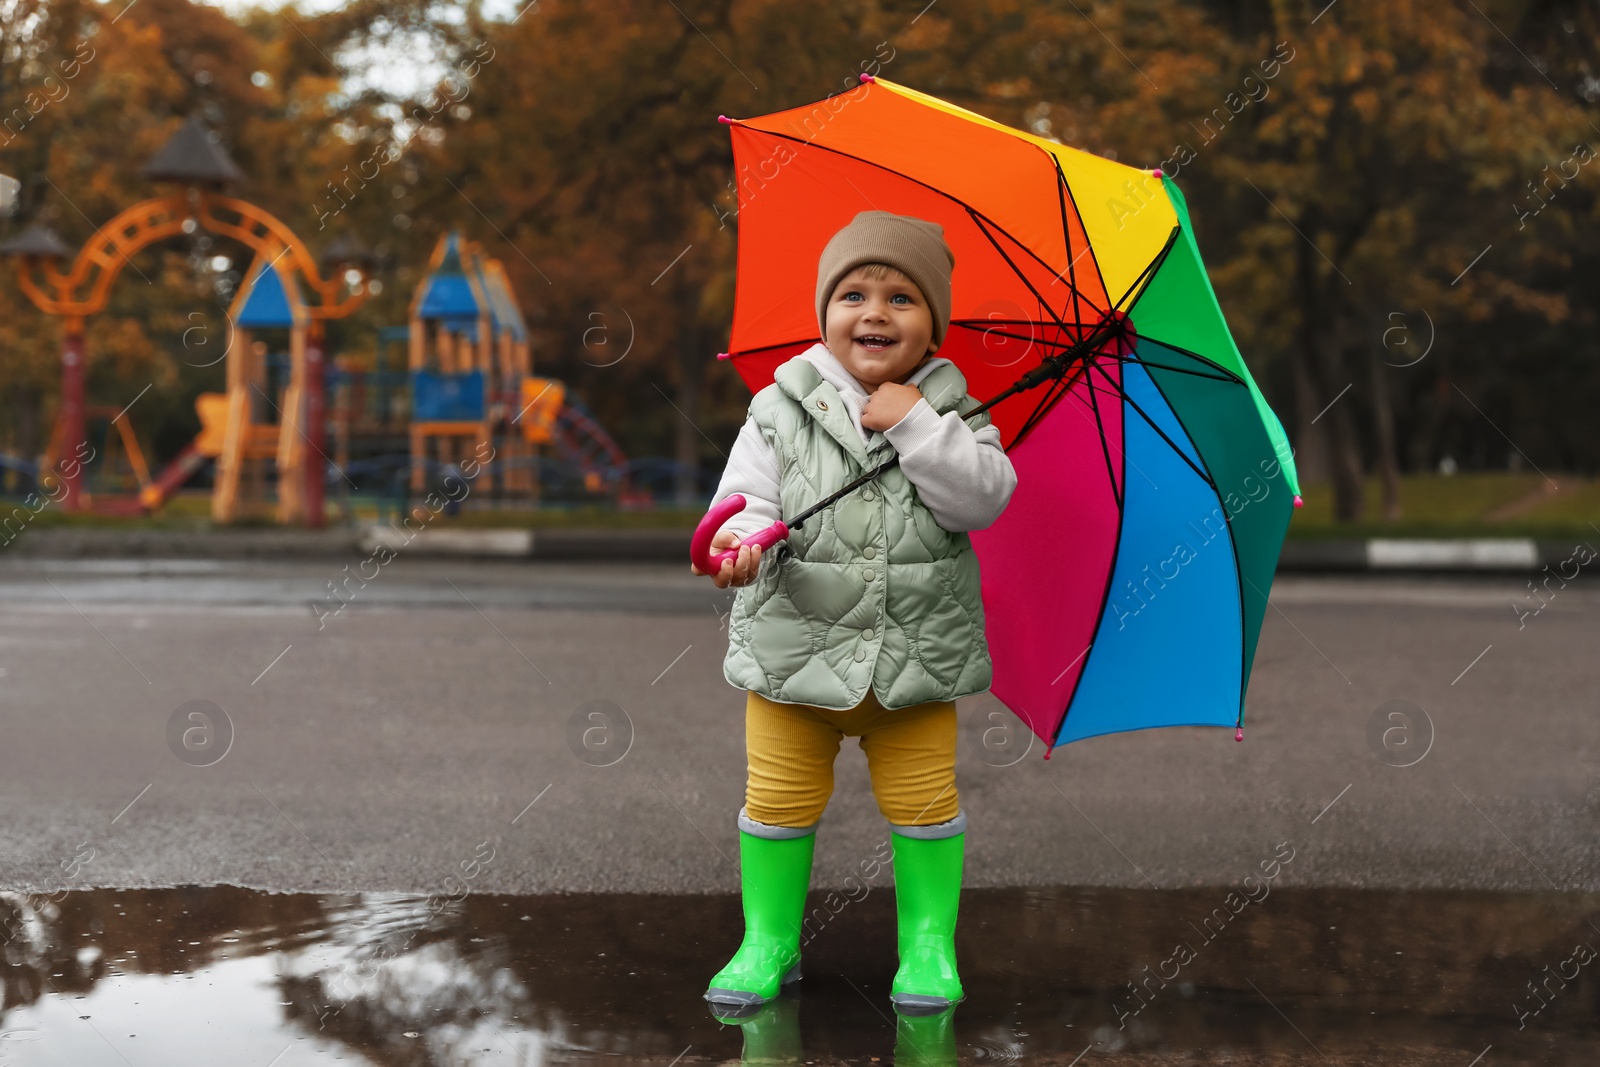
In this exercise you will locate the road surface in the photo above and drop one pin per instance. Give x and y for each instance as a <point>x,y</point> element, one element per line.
<point>450,708</point>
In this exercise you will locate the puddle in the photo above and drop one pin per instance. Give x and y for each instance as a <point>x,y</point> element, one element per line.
<point>1302,976</point>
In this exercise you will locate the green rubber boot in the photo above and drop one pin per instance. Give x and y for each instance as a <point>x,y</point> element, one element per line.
<point>771,1031</point>
<point>925,1040</point>
<point>774,876</point>
<point>927,888</point>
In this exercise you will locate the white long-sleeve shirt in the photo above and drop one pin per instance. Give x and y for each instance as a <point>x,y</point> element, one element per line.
<point>963,476</point>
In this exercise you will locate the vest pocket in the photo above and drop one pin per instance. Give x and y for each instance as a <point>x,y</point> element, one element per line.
<point>822,593</point>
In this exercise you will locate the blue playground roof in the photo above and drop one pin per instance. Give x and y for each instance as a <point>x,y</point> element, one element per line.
<point>449,295</point>
<point>268,302</point>
<point>503,309</point>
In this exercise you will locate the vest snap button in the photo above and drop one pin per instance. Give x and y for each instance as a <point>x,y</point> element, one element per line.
<point>870,574</point>
<point>870,551</point>
<point>860,655</point>
<point>866,635</point>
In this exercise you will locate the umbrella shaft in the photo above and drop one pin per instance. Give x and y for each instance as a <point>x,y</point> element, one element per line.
<point>825,501</point>
<point>1052,368</point>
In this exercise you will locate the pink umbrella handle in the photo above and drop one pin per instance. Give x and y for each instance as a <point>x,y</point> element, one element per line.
<point>721,512</point>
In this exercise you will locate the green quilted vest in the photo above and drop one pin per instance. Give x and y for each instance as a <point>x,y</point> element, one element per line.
<point>872,592</point>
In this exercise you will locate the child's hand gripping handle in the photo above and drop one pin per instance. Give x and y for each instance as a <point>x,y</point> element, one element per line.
<point>721,512</point>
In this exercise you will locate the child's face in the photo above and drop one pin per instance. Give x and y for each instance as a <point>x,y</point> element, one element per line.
<point>892,308</point>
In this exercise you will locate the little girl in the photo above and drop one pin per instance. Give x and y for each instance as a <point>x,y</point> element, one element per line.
<point>868,621</point>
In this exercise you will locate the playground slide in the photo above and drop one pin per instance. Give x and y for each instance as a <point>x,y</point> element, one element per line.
<point>207,444</point>
<point>155,495</point>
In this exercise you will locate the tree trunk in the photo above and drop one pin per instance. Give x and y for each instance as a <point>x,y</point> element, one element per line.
<point>1327,380</point>
<point>1311,439</point>
<point>1383,416</point>
<point>1349,473</point>
<point>27,412</point>
<point>692,355</point>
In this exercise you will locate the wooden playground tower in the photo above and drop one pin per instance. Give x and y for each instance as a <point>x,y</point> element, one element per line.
<point>277,283</point>
<point>268,299</point>
<point>470,365</point>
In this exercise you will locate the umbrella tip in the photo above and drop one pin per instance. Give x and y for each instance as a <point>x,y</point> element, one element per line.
<point>1238,733</point>
<point>1157,173</point>
<point>1298,502</point>
<point>867,77</point>
<point>725,120</point>
<point>724,355</point>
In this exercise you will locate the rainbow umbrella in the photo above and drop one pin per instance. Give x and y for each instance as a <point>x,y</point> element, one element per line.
<point>1125,584</point>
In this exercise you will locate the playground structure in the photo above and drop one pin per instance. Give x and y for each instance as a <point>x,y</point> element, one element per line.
<point>467,380</point>
<point>472,384</point>
<point>192,160</point>
<point>154,491</point>
<point>269,299</point>
<point>469,363</point>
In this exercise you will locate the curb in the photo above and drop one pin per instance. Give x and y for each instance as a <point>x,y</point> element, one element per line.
<point>655,545</point>
<point>552,544</point>
<point>1413,555</point>
<point>89,543</point>
<point>1375,555</point>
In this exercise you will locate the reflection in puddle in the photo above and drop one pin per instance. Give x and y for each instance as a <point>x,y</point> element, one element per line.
<point>232,976</point>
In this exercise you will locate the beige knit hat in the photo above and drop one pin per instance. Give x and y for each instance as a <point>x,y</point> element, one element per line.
<point>913,246</point>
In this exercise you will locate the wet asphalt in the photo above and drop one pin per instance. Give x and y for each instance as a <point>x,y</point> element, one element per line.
<point>1087,976</point>
<point>573,718</point>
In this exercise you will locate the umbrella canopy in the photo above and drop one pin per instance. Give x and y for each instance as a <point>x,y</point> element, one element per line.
<point>1125,584</point>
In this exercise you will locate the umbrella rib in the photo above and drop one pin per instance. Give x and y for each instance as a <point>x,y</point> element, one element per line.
<point>1231,379</point>
<point>1062,192</point>
<point>1105,449</point>
<point>978,324</point>
<point>1224,376</point>
<point>972,324</point>
<point>1050,401</point>
<point>767,348</point>
<point>1051,394</point>
<point>1121,450</point>
<point>1149,270</point>
<point>1192,354</point>
<point>1172,239</point>
<point>1233,548</point>
<point>1203,476</point>
<point>1066,237</point>
<point>1045,403</point>
<point>983,227</point>
<point>1005,322</point>
<point>1067,188</point>
<point>1099,615</point>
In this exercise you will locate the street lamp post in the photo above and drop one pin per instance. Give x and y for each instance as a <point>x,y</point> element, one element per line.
<point>38,247</point>
<point>345,258</point>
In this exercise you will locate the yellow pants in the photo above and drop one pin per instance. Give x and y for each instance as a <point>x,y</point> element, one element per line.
<point>911,755</point>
